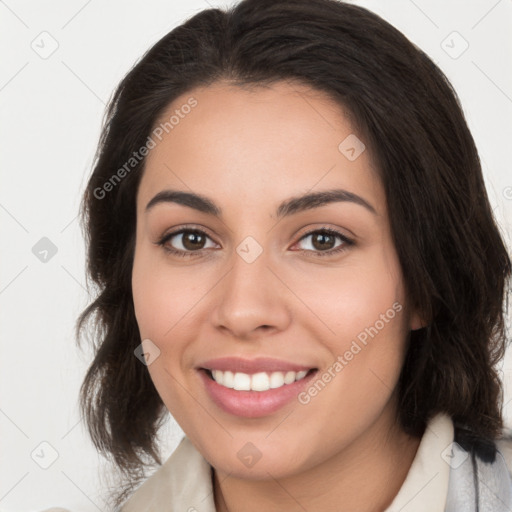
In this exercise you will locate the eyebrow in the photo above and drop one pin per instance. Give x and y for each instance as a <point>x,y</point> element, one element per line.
<point>286,208</point>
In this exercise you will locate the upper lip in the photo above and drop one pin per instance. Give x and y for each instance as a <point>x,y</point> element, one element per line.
<point>250,366</point>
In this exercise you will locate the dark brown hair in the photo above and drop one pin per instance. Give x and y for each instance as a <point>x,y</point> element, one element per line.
<point>454,262</point>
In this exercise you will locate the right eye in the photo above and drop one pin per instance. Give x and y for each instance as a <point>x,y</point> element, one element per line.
<point>185,242</point>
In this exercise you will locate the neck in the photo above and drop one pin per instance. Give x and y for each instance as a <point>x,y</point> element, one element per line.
<point>364,476</point>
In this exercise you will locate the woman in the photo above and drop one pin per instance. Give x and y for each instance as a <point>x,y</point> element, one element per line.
<point>296,257</point>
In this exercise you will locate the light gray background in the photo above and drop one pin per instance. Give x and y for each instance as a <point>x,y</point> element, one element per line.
<point>51,111</point>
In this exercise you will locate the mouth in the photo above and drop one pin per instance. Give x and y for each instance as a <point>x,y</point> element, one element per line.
<point>253,388</point>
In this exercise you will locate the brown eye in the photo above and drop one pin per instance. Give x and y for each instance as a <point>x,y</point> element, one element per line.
<point>193,240</point>
<point>324,242</point>
<point>186,241</point>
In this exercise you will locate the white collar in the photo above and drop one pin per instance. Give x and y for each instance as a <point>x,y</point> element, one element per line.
<point>426,485</point>
<point>184,481</point>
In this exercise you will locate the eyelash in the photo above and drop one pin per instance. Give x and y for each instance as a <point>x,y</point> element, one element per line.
<point>347,242</point>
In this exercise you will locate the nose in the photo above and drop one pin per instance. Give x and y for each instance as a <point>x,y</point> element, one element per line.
<point>250,300</point>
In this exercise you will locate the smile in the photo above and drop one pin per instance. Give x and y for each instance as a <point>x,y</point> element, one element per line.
<point>253,388</point>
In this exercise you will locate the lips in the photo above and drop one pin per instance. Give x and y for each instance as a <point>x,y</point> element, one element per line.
<point>253,387</point>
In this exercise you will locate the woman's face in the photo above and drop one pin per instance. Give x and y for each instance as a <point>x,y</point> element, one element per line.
<point>309,325</point>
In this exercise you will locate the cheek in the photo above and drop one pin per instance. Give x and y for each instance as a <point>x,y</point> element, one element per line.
<point>162,296</point>
<point>160,304</point>
<point>168,301</point>
<point>347,299</point>
<point>154,308</point>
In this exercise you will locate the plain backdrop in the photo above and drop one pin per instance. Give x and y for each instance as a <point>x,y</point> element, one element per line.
<point>61,61</point>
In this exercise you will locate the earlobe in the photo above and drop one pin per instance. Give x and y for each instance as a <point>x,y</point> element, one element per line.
<point>416,322</point>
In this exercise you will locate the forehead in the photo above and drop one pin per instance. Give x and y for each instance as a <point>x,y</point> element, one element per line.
<point>260,143</point>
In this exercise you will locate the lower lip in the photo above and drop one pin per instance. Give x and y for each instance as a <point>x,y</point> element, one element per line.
<point>252,404</point>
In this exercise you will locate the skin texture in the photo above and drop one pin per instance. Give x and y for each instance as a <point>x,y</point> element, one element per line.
<point>248,150</point>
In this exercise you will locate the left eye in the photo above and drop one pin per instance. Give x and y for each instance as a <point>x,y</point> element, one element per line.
<point>324,241</point>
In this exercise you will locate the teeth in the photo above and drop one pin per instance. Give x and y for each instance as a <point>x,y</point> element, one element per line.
<point>261,381</point>
<point>228,379</point>
<point>242,382</point>
<point>276,380</point>
<point>289,377</point>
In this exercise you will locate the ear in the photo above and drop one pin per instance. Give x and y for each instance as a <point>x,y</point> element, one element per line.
<point>416,321</point>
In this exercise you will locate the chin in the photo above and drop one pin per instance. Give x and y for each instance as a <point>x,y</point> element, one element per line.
<point>257,460</point>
